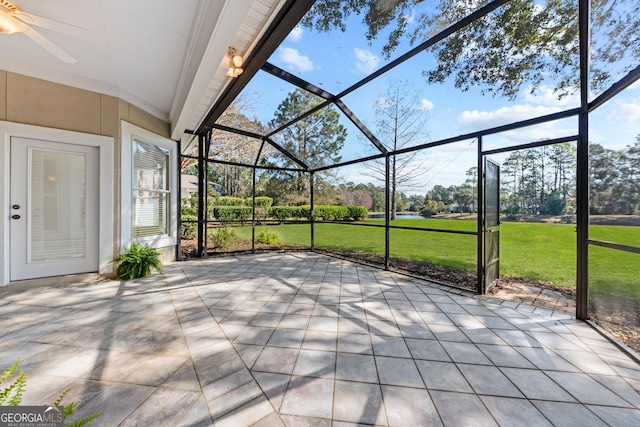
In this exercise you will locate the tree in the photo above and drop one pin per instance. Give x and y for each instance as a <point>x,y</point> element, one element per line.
<point>630,172</point>
<point>440,193</point>
<point>400,122</point>
<point>232,147</point>
<point>472,180</point>
<point>416,202</point>
<point>563,161</point>
<point>463,196</point>
<point>353,196</point>
<point>539,180</point>
<point>315,140</point>
<point>516,46</point>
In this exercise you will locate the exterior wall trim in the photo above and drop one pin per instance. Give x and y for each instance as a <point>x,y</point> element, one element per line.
<point>128,133</point>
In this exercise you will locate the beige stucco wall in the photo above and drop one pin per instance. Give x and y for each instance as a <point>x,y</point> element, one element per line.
<point>42,103</point>
<point>37,102</point>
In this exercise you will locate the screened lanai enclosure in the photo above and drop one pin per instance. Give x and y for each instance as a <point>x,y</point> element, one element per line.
<point>461,141</point>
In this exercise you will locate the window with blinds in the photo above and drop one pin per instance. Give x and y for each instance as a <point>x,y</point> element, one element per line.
<point>150,204</point>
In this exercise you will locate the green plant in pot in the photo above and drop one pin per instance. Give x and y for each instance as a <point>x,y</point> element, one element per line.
<point>137,261</point>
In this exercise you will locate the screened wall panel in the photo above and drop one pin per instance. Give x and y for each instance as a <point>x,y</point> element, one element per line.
<point>446,257</point>
<point>614,292</point>
<point>363,243</point>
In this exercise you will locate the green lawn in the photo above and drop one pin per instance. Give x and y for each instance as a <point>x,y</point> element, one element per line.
<point>532,250</point>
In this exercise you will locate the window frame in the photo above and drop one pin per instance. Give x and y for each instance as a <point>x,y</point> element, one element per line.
<point>130,134</point>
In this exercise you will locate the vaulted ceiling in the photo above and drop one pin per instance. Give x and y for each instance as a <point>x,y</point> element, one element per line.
<point>167,57</point>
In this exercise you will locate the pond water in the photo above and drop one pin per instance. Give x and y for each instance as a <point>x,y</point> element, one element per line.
<point>397,216</point>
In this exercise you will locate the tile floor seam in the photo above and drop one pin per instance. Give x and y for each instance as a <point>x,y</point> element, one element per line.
<point>290,375</point>
<point>230,410</point>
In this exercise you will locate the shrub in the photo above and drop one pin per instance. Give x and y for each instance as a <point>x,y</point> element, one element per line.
<point>189,206</point>
<point>261,214</point>
<point>230,201</point>
<point>431,207</point>
<point>189,229</point>
<point>322,212</point>
<point>553,205</point>
<point>268,237</point>
<point>232,213</point>
<point>426,212</point>
<point>261,202</point>
<point>211,204</point>
<point>512,212</point>
<point>304,212</point>
<point>357,213</point>
<point>221,237</point>
<point>341,213</point>
<point>137,261</point>
<point>281,213</point>
<point>331,212</point>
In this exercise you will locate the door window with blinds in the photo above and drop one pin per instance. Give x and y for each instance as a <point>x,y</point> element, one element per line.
<point>58,205</point>
<point>151,189</point>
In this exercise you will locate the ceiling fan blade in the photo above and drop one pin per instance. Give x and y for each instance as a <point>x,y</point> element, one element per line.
<point>50,24</point>
<point>48,45</point>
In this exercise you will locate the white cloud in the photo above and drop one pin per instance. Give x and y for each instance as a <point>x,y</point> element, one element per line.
<point>295,34</point>
<point>426,105</point>
<point>479,120</point>
<point>626,112</point>
<point>544,95</point>
<point>635,85</point>
<point>295,60</point>
<point>366,61</point>
<point>476,120</point>
<point>411,18</point>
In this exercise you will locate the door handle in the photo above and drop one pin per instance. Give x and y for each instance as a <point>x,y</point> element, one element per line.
<point>15,216</point>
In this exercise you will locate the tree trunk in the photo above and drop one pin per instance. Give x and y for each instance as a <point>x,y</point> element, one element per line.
<point>393,188</point>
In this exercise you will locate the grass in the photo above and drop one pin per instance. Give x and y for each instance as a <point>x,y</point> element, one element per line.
<point>537,251</point>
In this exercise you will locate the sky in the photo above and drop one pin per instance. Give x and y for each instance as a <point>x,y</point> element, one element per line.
<point>336,60</point>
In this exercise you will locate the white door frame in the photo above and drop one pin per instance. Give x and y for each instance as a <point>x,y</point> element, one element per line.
<point>106,211</point>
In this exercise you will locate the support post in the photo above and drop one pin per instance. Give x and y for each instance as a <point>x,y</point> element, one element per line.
<point>481,288</point>
<point>253,212</point>
<point>582,168</point>
<point>201,196</point>
<point>253,192</point>
<point>387,209</point>
<point>178,254</point>
<point>312,213</point>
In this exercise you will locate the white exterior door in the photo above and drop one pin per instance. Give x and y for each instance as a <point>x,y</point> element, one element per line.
<point>54,197</point>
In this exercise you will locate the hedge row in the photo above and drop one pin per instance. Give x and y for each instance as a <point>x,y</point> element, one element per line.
<point>227,208</point>
<point>261,201</point>
<point>231,213</point>
<point>340,213</point>
<point>282,213</point>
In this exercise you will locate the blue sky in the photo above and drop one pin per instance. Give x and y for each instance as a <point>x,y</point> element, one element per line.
<point>334,61</point>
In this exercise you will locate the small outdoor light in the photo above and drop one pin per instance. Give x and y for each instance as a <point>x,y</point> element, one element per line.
<point>235,63</point>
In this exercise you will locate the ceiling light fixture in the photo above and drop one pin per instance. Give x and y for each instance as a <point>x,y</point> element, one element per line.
<point>8,23</point>
<point>235,64</point>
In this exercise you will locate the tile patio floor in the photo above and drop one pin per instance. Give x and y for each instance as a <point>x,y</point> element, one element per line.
<point>299,339</point>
